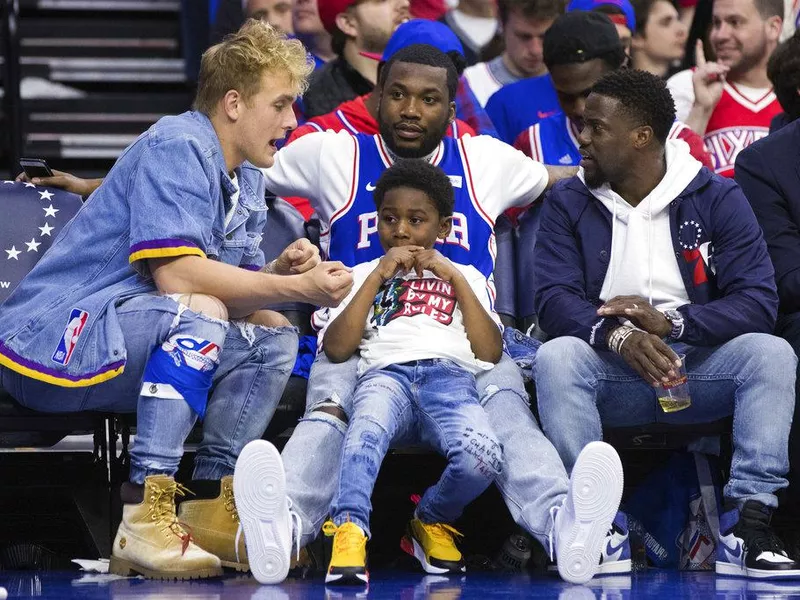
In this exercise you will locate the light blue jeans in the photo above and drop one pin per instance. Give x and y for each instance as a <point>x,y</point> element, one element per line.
<point>247,386</point>
<point>750,377</point>
<point>430,401</point>
<point>532,480</point>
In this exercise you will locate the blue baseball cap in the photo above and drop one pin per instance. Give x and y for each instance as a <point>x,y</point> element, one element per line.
<point>625,6</point>
<point>419,31</point>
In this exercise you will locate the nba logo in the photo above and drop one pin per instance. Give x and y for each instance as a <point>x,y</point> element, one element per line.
<point>75,325</point>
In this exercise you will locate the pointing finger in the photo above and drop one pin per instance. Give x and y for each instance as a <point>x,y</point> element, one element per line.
<point>699,54</point>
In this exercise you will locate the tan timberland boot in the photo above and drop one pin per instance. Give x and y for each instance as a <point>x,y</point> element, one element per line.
<point>214,524</point>
<point>151,542</point>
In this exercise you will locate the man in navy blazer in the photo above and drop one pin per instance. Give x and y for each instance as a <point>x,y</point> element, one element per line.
<point>769,173</point>
<point>647,260</point>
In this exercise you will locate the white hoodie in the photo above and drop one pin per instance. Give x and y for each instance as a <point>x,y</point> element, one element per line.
<point>642,261</point>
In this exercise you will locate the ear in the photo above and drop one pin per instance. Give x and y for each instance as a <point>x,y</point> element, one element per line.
<point>642,136</point>
<point>445,225</point>
<point>451,112</point>
<point>232,104</point>
<point>346,22</point>
<point>773,27</point>
<point>637,41</point>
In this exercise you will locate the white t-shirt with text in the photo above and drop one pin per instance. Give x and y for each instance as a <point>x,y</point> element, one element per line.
<point>415,318</point>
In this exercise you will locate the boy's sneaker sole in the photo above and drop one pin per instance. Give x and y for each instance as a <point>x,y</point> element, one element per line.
<point>259,487</point>
<point>347,576</point>
<point>595,491</point>
<point>409,545</point>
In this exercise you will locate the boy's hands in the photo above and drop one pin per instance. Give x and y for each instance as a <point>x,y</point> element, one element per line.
<point>432,260</point>
<point>417,258</point>
<point>401,258</point>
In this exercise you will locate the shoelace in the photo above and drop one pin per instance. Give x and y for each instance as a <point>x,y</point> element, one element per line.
<point>764,539</point>
<point>553,512</point>
<point>229,502</point>
<point>345,538</point>
<point>442,533</point>
<point>296,524</point>
<point>162,510</point>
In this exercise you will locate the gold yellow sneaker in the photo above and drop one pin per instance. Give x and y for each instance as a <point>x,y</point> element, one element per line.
<point>214,524</point>
<point>434,546</point>
<point>151,542</point>
<point>348,564</point>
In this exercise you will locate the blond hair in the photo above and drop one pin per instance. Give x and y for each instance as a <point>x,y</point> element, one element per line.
<point>240,60</point>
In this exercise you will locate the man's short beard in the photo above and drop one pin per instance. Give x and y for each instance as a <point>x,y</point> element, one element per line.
<point>374,40</point>
<point>596,179</point>
<point>430,141</point>
<point>748,61</point>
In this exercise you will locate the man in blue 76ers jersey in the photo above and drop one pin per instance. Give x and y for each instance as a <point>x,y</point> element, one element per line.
<point>338,172</point>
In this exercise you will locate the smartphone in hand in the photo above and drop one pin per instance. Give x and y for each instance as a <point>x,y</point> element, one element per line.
<point>35,167</point>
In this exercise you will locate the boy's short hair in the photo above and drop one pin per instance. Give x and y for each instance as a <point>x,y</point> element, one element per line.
<point>239,61</point>
<point>420,175</point>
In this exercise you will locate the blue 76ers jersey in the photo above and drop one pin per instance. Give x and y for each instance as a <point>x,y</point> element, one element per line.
<point>352,236</point>
<point>553,142</point>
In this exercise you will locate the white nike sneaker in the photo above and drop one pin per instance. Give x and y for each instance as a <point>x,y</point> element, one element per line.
<point>582,523</point>
<point>268,523</point>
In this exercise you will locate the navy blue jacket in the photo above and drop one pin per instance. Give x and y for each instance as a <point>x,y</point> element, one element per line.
<point>769,173</point>
<point>732,295</point>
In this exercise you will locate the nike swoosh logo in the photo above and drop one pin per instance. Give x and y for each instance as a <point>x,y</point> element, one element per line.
<point>370,187</point>
<point>544,115</point>
<point>614,549</point>
<point>732,551</point>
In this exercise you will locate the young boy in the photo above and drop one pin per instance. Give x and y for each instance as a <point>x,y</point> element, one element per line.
<point>424,327</point>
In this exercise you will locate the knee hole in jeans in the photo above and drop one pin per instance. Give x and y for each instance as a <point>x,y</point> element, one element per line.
<point>204,304</point>
<point>268,318</point>
<point>334,411</point>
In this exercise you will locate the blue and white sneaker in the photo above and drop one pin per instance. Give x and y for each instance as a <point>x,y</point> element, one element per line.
<point>581,524</point>
<point>616,555</point>
<point>748,547</point>
<point>615,558</point>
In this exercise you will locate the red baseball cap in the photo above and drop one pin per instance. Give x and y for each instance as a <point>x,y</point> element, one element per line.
<point>330,9</point>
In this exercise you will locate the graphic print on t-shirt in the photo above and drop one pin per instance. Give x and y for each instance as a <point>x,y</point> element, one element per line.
<point>407,298</point>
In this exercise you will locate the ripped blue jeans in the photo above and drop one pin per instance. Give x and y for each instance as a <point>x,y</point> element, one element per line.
<point>254,365</point>
<point>431,401</point>
<point>532,481</point>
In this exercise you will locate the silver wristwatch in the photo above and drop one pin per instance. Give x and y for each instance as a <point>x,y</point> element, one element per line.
<point>676,319</point>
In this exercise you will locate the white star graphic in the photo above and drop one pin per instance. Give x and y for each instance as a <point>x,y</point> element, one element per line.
<point>13,253</point>
<point>45,195</point>
<point>29,184</point>
<point>33,245</point>
<point>46,229</point>
<point>50,211</point>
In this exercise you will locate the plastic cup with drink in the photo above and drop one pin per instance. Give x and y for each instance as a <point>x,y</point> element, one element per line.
<point>674,395</point>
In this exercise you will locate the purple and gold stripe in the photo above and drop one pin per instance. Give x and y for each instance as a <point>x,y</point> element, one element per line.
<point>13,361</point>
<point>163,249</point>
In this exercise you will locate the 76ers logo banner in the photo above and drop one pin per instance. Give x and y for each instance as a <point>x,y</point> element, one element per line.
<point>697,252</point>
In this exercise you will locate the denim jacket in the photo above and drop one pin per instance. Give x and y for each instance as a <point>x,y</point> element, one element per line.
<point>167,195</point>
